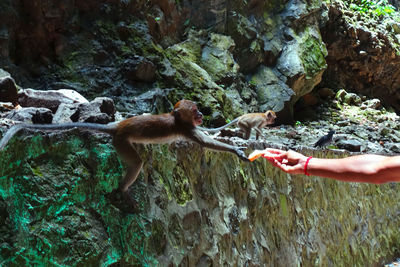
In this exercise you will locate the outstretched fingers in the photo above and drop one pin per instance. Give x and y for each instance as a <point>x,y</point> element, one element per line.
<point>272,153</point>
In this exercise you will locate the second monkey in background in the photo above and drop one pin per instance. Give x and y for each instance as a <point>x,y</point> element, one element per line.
<point>249,121</point>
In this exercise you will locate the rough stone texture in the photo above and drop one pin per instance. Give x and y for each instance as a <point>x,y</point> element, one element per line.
<point>123,48</point>
<point>197,207</point>
<point>50,99</point>
<point>362,59</point>
<point>31,115</point>
<point>100,110</point>
<point>8,88</point>
<point>64,113</point>
<point>349,145</point>
<point>139,69</point>
<point>272,93</point>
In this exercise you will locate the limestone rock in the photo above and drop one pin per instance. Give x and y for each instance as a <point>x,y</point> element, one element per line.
<point>100,110</point>
<point>50,99</point>
<point>31,115</point>
<point>350,45</point>
<point>272,92</point>
<point>349,145</point>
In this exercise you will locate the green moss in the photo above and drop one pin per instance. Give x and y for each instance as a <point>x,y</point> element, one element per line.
<point>283,205</point>
<point>36,171</point>
<point>275,6</point>
<point>313,53</point>
<point>173,178</point>
<point>55,207</point>
<point>183,192</point>
<point>158,236</point>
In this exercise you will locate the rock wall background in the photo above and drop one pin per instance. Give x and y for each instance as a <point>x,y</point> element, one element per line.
<point>253,55</point>
<point>363,53</point>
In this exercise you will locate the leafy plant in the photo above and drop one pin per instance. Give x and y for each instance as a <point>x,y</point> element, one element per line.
<point>374,7</point>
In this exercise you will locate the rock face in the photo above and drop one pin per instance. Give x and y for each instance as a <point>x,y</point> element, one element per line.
<point>363,58</point>
<point>101,47</point>
<point>197,208</point>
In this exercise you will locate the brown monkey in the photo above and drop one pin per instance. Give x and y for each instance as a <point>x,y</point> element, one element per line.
<point>182,122</point>
<point>248,121</point>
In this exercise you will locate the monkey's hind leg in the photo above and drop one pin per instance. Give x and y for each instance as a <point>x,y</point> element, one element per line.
<point>245,129</point>
<point>246,133</point>
<point>130,156</point>
<point>258,132</point>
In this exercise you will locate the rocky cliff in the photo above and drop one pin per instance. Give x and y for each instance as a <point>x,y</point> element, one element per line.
<point>253,55</point>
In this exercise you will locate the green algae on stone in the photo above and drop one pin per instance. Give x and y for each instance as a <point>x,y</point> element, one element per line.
<point>313,53</point>
<point>185,58</point>
<point>217,59</point>
<point>56,199</point>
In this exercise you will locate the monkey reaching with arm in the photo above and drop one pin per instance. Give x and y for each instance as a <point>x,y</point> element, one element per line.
<point>248,121</point>
<point>182,122</point>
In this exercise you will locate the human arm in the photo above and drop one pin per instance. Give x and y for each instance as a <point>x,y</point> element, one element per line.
<point>368,168</point>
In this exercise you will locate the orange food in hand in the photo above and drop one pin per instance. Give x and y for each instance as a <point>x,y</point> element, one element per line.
<point>258,153</point>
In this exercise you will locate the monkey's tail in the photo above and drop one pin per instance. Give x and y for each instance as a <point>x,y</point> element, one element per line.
<point>10,133</point>
<point>105,128</point>
<point>213,130</point>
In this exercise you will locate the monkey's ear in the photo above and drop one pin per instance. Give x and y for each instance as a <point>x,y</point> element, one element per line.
<point>177,104</point>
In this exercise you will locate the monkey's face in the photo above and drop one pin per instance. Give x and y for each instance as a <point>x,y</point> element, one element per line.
<point>186,111</point>
<point>197,116</point>
<point>271,116</point>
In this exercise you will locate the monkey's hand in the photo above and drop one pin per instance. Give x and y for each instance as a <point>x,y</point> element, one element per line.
<point>241,154</point>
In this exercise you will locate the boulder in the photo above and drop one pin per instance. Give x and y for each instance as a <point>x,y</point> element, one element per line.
<point>50,99</point>
<point>272,92</point>
<point>31,115</point>
<point>371,103</point>
<point>8,88</point>
<point>349,145</point>
<point>100,110</point>
<point>217,58</point>
<point>64,113</point>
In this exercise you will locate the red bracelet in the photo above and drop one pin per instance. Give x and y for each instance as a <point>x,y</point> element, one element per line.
<point>305,166</point>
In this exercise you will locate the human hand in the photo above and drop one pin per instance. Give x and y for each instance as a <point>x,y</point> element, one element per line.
<point>290,161</point>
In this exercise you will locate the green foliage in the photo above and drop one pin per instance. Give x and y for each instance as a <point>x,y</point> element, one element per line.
<point>373,7</point>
